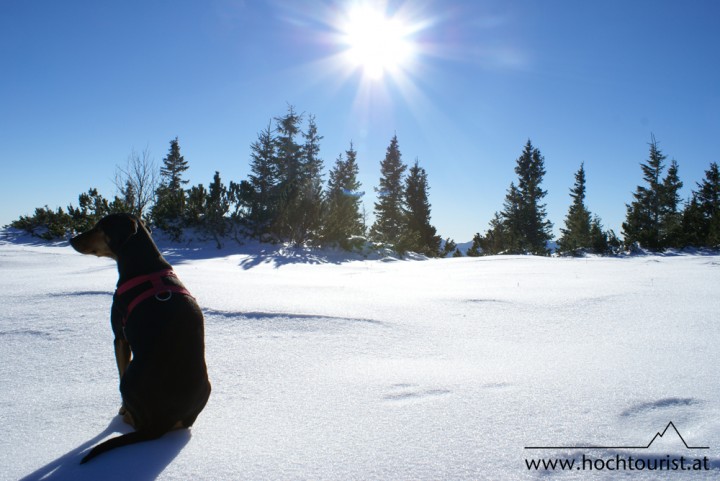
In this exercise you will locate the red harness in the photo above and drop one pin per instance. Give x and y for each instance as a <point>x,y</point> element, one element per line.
<point>162,292</point>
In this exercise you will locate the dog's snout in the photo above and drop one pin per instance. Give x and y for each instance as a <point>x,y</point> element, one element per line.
<point>92,242</point>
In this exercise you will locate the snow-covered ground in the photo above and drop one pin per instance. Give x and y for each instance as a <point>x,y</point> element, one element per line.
<point>325,369</point>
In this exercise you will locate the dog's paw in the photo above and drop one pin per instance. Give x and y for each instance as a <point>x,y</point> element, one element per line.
<point>128,419</point>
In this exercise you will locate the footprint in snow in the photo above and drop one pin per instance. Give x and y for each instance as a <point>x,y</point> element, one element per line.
<point>666,403</point>
<point>413,392</point>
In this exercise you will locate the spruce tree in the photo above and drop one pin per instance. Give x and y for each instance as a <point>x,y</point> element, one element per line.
<point>652,219</point>
<point>671,226</point>
<point>239,196</point>
<point>283,194</point>
<point>497,238</point>
<point>521,227</point>
<point>306,212</point>
<point>701,216</point>
<point>387,228</point>
<point>642,222</point>
<point>534,229</point>
<point>46,223</point>
<point>288,164</point>
<point>577,232</point>
<point>449,246</point>
<point>215,222</point>
<point>170,195</point>
<point>418,235</point>
<point>692,224</point>
<point>195,206</point>
<point>709,199</point>
<point>507,230</point>
<point>600,241</point>
<point>127,200</point>
<point>475,250</point>
<point>263,191</point>
<point>91,208</point>
<point>343,219</point>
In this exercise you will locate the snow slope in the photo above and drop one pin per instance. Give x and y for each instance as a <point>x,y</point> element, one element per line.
<point>332,369</point>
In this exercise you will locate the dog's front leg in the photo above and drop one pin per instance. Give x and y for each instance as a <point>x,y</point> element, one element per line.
<point>122,358</point>
<point>122,355</point>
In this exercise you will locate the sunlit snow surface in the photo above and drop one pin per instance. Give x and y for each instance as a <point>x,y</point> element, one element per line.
<point>325,368</point>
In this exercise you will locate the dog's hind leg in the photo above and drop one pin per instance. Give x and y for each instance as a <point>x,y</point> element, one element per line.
<point>202,399</point>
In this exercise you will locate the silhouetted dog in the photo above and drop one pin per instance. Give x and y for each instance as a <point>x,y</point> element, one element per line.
<point>159,334</point>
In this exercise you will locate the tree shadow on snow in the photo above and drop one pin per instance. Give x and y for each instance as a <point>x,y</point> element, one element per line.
<point>287,256</point>
<point>20,237</point>
<point>252,253</point>
<point>137,462</point>
<point>256,254</point>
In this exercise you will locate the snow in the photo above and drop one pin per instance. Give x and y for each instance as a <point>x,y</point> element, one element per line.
<point>330,367</point>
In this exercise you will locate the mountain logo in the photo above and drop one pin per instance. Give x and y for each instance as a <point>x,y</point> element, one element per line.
<point>669,430</point>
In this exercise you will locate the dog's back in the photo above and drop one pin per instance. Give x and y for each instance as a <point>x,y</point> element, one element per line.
<point>165,384</point>
<point>168,366</point>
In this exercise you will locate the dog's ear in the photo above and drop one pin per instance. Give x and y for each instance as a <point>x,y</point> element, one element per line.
<point>118,229</point>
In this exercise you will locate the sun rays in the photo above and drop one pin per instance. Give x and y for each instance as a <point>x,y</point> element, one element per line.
<point>376,43</point>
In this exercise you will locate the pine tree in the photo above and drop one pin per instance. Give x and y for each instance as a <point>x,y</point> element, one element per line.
<point>195,206</point>
<point>215,222</point>
<point>343,219</point>
<point>642,224</point>
<point>173,167</point>
<point>652,218</point>
<point>46,223</point>
<point>577,232</point>
<point>170,196</point>
<point>506,230</point>
<point>449,246</point>
<point>388,208</point>
<point>240,197</point>
<point>534,229</point>
<point>671,226</point>
<point>709,198</point>
<point>475,250</point>
<point>497,238</point>
<point>283,195</point>
<point>521,227</point>
<point>701,216</point>
<point>91,208</point>
<point>693,224</point>
<point>263,183</point>
<point>418,235</point>
<point>127,200</point>
<point>306,213</point>
<point>288,163</point>
<point>600,241</point>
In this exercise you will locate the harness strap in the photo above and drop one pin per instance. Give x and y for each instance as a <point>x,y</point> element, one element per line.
<point>161,291</point>
<point>136,281</point>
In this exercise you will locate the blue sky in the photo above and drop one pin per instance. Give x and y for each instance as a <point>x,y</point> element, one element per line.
<point>82,83</point>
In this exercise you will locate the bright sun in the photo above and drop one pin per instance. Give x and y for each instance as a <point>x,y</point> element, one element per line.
<point>376,43</point>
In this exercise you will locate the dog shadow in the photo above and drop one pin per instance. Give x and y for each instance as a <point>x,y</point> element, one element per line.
<point>142,461</point>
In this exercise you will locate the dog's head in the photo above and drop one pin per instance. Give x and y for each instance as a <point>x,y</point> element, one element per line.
<point>108,236</point>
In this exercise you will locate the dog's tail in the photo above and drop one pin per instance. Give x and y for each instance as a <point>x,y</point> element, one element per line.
<point>124,440</point>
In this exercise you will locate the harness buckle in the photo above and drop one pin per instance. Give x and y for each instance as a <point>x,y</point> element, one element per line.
<point>163,296</point>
